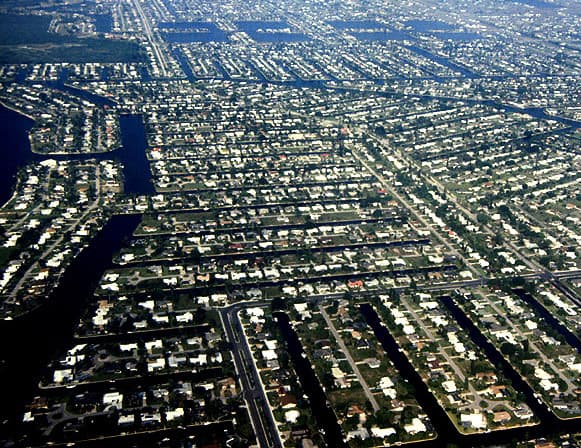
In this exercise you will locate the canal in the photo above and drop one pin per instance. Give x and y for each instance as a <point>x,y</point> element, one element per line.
<point>325,417</point>
<point>447,433</point>
<point>45,333</point>
<point>442,424</point>
<point>15,152</point>
<point>136,172</point>
<point>40,336</point>
<point>571,338</point>
<point>14,148</point>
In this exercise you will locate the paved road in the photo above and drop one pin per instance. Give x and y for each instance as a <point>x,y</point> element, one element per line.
<point>36,210</point>
<point>531,264</point>
<point>432,338</point>
<point>159,55</point>
<point>533,347</point>
<point>261,417</point>
<point>26,276</point>
<point>350,360</point>
<point>419,217</point>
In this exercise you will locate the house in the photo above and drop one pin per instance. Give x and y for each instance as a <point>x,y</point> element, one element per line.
<point>126,420</point>
<point>360,433</point>
<point>356,411</point>
<point>288,401</point>
<point>269,355</point>
<point>177,359</point>
<point>415,427</point>
<point>497,391</point>
<point>487,377</point>
<point>339,377</point>
<point>155,344</point>
<point>185,317</point>
<point>128,347</point>
<point>199,360</point>
<point>449,386</point>
<point>155,364</point>
<point>475,420</point>
<point>174,414</point>
<point>292,416</point>
<point>523,412</point>
<point>60,376</point>
<point>356,284</point>
<point>382,433</point>
<point>113,399</point>
<point>150,419</point>
<point>373,363</point>
<point>501,417</point>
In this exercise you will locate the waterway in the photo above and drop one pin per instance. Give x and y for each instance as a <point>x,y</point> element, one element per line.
<point>45,333</point>
<point>443,426</point>
<point>41,336</point>
<point>184,64</point>
<point>443,61</point>
<point>447,433</point>
<point>494,355</point>
<point>536,112</point>
<point>103,23</point>
<point>324,416</point>
<point>14,148</point>
<point>15,152</point>
<point>136,172</point>
<point>571,338</point>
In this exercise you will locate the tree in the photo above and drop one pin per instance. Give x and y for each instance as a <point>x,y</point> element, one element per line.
<point>278,304</point>
<point>483,218</point>
<point>508,349</point>
<point>383,418</point>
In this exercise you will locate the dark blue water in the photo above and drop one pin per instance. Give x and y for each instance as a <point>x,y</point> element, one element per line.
<point>105,74</point>
<point>184,64</point>
<point>47,332</point>
<point>64,76</point>
<point>84,94</point>
<point>537,3</point>
<point>571,338</point>
<point>44,333</point>
<point>497,359</point>
<point>442,424</point>
<point>136,166</point>
<point>324,416</point>
<point>447,434</point>
<point>445,62</point>
<point>14,148</point>
<point>145,75</point>
<point>15,152</point>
